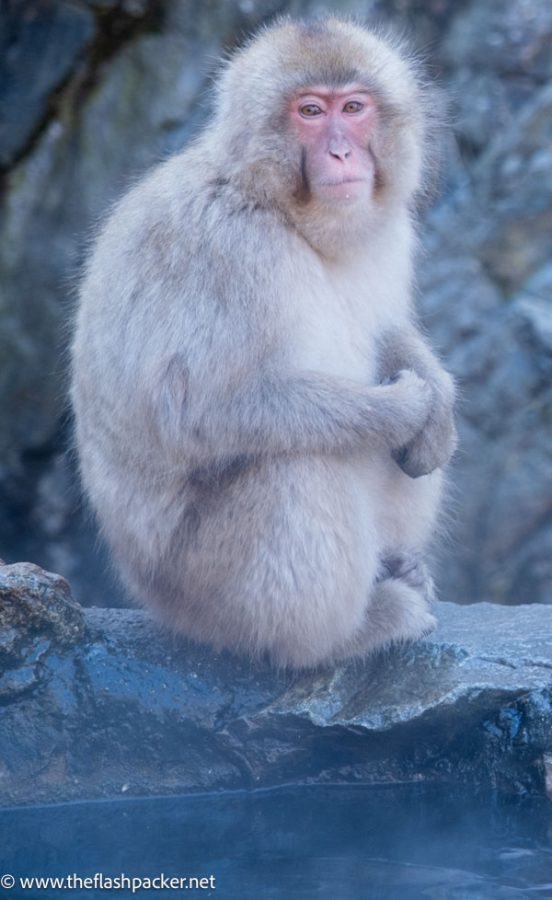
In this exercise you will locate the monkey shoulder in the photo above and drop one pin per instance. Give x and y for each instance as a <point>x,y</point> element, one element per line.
<point>185,223</point>
<point>185,269</point>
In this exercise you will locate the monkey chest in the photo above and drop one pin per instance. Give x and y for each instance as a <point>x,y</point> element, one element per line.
<point>335,334</point>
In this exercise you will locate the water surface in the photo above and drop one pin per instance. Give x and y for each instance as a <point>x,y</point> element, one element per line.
<point>337,842</point>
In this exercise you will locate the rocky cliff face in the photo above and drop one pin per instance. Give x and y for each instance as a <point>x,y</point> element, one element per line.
<point>92,93</point>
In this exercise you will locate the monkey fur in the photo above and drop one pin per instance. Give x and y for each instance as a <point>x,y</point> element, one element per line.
<point>260,423</point>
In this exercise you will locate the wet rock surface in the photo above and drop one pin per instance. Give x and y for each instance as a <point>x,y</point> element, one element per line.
<point>36,612</point>
<point>33,600</point>
<point>123,708</point>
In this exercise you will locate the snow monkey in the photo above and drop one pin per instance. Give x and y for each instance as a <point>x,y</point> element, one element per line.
<point>261,425</point>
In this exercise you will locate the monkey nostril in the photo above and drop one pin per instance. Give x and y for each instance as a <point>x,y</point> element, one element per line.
<point>340,153</point>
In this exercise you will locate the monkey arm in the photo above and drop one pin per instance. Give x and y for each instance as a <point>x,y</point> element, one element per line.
<point>433,446</point>
<point>295,413</point>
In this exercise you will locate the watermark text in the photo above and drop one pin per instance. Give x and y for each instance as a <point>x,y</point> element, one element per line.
<point>101,882</point>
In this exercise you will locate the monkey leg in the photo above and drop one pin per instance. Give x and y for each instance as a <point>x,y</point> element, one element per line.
<point>301,579</point>
<point>409,511</point>
<point>280,564</point>
<point>408,520</point>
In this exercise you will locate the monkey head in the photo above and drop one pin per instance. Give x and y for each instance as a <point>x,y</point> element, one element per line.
<point>323,119</point>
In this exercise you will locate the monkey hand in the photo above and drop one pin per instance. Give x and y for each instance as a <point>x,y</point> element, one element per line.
<point>409,400</point>
<point>435,443</point>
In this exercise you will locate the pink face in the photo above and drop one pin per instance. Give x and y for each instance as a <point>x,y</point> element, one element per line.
<point>335,128</point>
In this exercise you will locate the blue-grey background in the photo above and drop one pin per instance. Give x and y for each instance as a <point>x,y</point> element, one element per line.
<point>93,92</point>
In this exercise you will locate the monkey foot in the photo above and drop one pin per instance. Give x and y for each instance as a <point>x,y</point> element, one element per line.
<point>411,569</point>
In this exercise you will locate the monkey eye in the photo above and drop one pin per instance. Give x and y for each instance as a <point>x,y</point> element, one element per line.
<point>308,110</point>
<point>353,106</point>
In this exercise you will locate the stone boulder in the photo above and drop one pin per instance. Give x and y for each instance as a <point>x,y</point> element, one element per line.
<point>122,707</point>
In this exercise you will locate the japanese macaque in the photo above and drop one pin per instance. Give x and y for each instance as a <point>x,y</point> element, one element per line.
<point>261,425</point>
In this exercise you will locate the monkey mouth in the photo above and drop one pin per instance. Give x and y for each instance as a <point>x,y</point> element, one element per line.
<point>341,182</point>
<point>348,189</point>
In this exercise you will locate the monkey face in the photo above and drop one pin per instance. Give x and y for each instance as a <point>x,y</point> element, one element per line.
<point>334,128</point>
<point>327,124</point>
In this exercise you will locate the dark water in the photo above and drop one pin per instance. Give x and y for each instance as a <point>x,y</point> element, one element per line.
<point>336,842</point>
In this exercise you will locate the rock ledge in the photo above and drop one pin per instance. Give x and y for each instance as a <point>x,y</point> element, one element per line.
<point>129,709</point>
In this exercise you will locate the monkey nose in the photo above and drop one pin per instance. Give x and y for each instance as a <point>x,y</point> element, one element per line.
<point>339,148</point>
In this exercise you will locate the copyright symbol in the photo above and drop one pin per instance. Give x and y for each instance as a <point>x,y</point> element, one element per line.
<point>7,881</point>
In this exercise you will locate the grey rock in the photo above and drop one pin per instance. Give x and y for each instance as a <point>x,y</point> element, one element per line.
<point>40,44</point>
<point>482,105</point>
<point>36,611</point>
<point>507,39</point>
<point>33,600</point>
<point>540,284</point>
<point>130,708</point>
<point>514,196</point>
<point>535,319</point>
<point>136,8</point>
<point>486,288</point>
